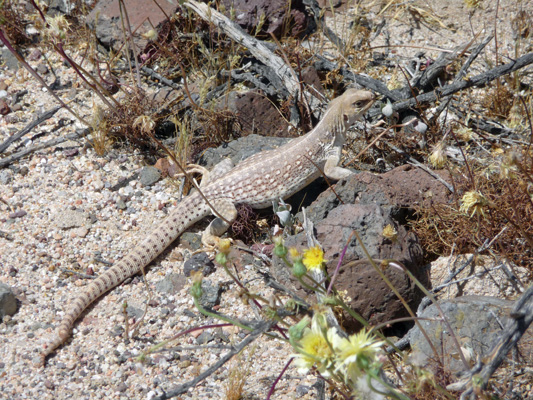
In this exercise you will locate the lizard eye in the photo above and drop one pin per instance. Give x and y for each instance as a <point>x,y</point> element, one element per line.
<point>359,103</point>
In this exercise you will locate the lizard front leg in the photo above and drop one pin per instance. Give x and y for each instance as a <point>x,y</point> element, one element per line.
<point>332,169</point>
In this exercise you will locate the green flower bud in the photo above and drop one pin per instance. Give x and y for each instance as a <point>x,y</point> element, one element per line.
<point>296,332</point>
<point>221,258</point>
<point>280,250</point>
<point>298,269</point>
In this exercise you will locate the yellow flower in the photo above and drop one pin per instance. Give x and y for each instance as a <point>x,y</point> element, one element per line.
<point>355,354</point>
<point>224,245</point>
<point>474,201</point>
<point>314,258</point>
<point>315,349</point>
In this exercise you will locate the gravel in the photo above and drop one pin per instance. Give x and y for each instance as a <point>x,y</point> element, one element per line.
<point>99,362</point>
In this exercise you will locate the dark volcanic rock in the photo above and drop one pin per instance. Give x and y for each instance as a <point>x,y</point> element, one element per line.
<point>281,18</point>
<point>368,294</point>
<point>371,202</point>
<point>255,114</point>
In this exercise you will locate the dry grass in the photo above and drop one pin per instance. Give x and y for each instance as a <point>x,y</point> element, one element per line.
<point>13,21</point>
<point>238,373</point>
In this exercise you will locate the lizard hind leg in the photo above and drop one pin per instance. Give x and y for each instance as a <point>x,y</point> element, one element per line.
<point>219,226</point>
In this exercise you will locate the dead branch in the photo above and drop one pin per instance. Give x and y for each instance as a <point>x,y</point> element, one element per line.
<point>53,142</point>
<point>46,115</point>
<point>258,49</point>
<point>478,81</point>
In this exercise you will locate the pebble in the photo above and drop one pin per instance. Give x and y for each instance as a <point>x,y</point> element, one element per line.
<point>4,108</point>
<point>18,214</point>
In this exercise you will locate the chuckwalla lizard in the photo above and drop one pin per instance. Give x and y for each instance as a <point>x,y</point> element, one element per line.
<point>257,181</point>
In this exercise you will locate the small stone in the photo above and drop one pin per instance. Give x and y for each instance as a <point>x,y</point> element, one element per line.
<point>72,93</point>
<point>171,284</point>
<point>3,85</point>
<point>49,384</point>
<point>8,302</point>
<point>4,108</point>
<point>70,152</point>
<point>3,94</point>
<point>149,175</point>
<point>5,176</point>
<point>18,214</point>
<point>121,387</point>
<point>35,55</point>
<point>134,312</point>
<point>42,68</point>
<point>67,219</point>
<point>302,390</point>
<point>16,107</point>
<point>121,205</point>
<point>210,294</point>
<point>81,232</point>
<point>199,262</point>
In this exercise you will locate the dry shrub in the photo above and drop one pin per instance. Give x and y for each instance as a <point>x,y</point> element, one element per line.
<point>245,226</point>
<point>505,218</point>
<point>120,122</point>
<point>498,101</point>
<point>428,383</point>
<point>177,43</point>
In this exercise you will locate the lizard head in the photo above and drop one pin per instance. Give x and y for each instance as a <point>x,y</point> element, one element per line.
<point>354,103</point>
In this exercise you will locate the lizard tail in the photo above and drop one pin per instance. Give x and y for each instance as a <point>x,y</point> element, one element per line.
<point>190,210</point>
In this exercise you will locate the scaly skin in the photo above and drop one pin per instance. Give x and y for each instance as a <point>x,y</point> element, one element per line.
<point>257,181</point>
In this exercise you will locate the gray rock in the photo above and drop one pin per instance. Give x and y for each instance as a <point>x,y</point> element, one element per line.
<point>42,68</point>
<point>199,262</point>
<point>134,312</point>
<point>171,284</point>
<point>8,302</point>
<point>240,149</point>
<point>204,337</point>
<point>210,294</point>
<point>475,320</point>
<point>17,214</point>
<point>67,219</point>
<point>9,59</point>
<point>6,176</point>
<point>149,175</point>
<point>191,241</point>
<point>62,7</point>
